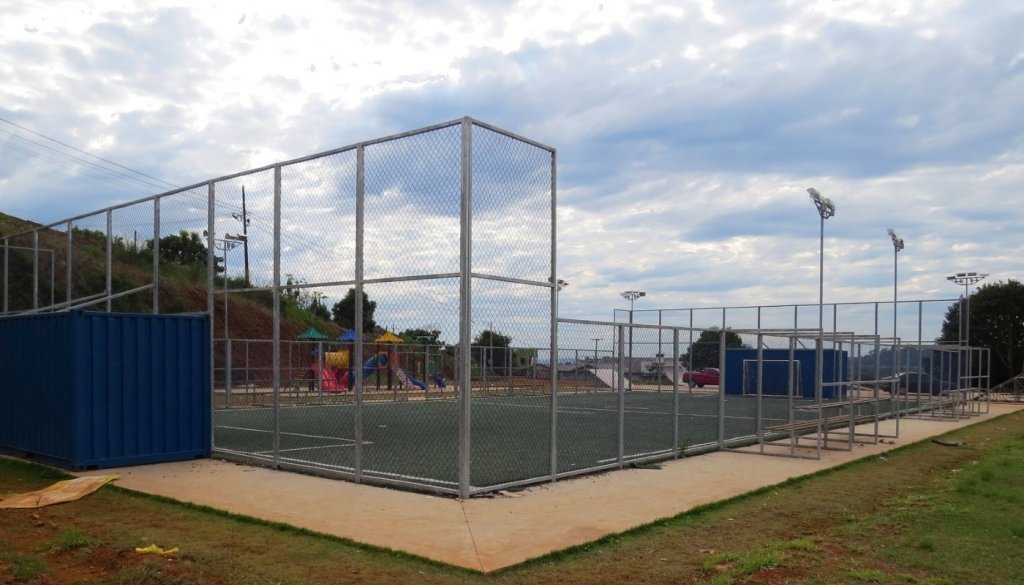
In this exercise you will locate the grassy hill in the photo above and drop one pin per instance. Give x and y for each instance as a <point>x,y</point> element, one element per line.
<point>182,281</point>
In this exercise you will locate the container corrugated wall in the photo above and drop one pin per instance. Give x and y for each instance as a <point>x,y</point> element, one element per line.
<point>85,389</point>
<point>834,362</point>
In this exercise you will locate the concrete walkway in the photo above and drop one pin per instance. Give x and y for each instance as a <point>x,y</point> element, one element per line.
<point>487,534</point>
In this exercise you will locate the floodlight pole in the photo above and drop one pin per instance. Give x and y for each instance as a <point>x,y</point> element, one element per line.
<point>897,246</point>
<point>631,296</point>
<point>826,209</point>
<point>966,279</point>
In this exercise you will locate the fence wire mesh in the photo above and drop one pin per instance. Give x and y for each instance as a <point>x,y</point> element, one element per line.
<point>384,313</point>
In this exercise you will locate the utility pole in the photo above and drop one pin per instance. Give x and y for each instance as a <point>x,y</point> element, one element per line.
<point>244,218</point>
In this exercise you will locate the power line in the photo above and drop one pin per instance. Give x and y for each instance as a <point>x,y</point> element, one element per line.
<point>45,158</point>
<point>64,144</point>
<point>101,168</point>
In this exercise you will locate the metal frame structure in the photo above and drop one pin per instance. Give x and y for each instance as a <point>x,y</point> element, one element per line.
<point>202,205</point>
<point>467,129</point>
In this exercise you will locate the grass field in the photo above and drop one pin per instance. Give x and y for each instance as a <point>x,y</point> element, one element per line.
<point>924,514</point>
<point>417,439</point>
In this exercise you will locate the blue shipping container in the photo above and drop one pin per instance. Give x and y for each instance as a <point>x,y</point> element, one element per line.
<point>91,390</point>
<point>740,379</point>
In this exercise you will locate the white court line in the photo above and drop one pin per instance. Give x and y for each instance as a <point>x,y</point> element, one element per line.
<point>348,469</point>
<point>291,434</point>
<point>580,409</point>
<point>349,445</point>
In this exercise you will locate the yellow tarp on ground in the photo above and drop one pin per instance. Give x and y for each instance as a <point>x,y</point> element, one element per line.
<point>68,490</point>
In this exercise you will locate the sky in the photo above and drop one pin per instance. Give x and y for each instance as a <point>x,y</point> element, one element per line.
<point>687,132</point>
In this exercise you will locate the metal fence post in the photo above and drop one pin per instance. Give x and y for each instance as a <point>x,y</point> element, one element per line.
<point>356,363</point>
<point>760,383</point>
<point>7,246</point>
<point>110,260</point>
<point>622,394</point>
<point>721,383</point>
<point>156,256</point>
<point>210,215</point>
<point>227,373</point>
<point>675,392</point>
<point>35,269</point>
<point>67,269</point>
<point>554,326</point>
<point>277,315</point>
<point>465,307</point>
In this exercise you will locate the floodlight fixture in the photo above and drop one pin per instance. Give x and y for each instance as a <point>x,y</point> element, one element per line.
<point>897,242</point>
<point>826,208</point>
<point>967,279</point>
<point>632,295</point>
<point>561,284</point>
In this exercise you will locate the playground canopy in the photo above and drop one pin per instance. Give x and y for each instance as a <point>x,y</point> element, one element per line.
<point>389,337</point>
<point>313,334</point>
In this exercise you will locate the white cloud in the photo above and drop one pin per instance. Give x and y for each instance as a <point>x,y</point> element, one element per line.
<point>687,132</point>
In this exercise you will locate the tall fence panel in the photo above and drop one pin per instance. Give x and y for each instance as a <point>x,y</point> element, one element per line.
<point>387,312</point>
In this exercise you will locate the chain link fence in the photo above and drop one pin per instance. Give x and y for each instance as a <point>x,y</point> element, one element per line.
<point>386,312</point>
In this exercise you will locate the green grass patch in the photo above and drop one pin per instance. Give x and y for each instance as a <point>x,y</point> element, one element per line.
<point>70,539</point>
<point>26,567</point>
<point>867,576</point>
<point>903,520</point>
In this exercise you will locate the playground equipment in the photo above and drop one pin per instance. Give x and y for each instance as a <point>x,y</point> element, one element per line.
<point>336,375</point>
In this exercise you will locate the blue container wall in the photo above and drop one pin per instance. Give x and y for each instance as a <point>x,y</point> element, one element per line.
<point>834,363</point>
<point>134,388</point>
<point>36,387</point>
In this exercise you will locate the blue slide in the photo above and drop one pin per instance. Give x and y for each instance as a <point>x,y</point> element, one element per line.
<point>371,364</point>
<point>405,378</point>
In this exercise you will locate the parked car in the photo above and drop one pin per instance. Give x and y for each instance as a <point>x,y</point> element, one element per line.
<point>920,383</point>
<point>707,376</point>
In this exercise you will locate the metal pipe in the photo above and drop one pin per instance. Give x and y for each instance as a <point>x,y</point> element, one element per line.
<point>357,350</point>
<point>721,384</point>
<point>465,308</point>
<point>277,316</point>
<point>210,214</point>
<point>156,256</point>
<point>554,321</point>
<point>110,259</point>
<point>7,247</point>
<point>621,403</point>
<point>35,268</point>
<point>69,289</point>
<point>675,392</point>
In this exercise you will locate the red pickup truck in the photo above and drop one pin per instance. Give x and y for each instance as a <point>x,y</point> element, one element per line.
<point>709,376</point>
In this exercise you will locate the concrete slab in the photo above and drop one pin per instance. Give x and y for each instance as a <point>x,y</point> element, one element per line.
<point>487,534</point>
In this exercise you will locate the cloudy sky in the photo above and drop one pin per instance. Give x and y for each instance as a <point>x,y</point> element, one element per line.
<point>687,131</point>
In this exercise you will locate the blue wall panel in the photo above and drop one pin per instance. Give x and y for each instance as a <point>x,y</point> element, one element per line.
<point>776,381</point>
<point>87,389</point>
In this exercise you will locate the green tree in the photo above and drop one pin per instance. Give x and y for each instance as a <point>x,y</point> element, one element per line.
<point>488,338</point>
<point>484,353</point>
<point>344,312</point>
<point>705,351</point>
<point>185,247</point>
<point>317,306</point>
<point>996,322</point>
<point>421,336</point>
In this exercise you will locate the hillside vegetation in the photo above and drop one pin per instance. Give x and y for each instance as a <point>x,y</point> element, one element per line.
<point>182,280</point>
